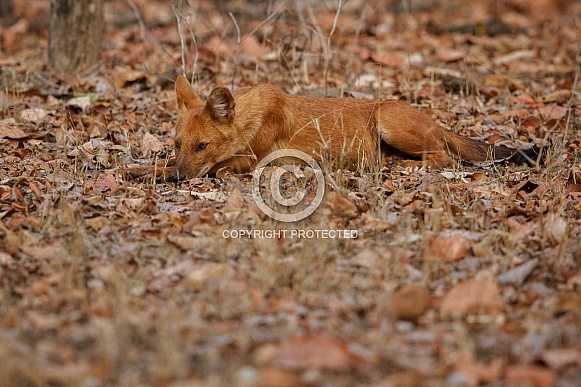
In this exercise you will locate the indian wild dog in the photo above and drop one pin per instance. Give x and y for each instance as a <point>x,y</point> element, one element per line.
<point>238,128</point>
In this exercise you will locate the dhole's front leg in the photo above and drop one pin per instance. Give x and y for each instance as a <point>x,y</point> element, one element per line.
<point>238,164</point>
<point>162,169</point>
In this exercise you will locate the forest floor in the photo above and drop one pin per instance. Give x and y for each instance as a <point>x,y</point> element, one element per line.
<point>459,276</point>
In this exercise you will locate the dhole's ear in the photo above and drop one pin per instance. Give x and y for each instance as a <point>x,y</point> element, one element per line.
<point>186,97</point>
<point>221,105</point>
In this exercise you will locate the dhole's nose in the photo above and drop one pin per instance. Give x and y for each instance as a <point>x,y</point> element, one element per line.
<point>177,176</point>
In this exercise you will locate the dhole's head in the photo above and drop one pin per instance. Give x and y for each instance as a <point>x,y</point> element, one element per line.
<point>205,133</point>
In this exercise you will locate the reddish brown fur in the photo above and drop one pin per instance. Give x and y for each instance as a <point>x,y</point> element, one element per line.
<point>240,128</point>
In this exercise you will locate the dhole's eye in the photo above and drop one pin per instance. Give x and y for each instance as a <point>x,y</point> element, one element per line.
<point>177,144</point>
<point>202,146</point>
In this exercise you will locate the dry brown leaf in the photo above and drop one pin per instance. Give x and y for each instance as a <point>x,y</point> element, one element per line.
<point>450,55</point>
<point>447,249</point>
<point>97,223</point>
<point>529,375</point>
<point>274,377</point>
<point>560,96</point>
<point>568,302</point>
<point>235,199</point>
<point>344,207</point>
<point>83,102</point>
<point>251,47</point>
<point>209,272</point>
<point>388,59</point>
<point>6,259</point>
<point>410,302</point>
<point>318,351</point>
<point>218,46</point>
<point>553,112</point>
<point>65,374</point>
<point>475,296</point>
<point>409,378</point>
<point>35,115</point>
<point>526,99</point>
<point>518,226</point>
<point>9,130</point>
<point>559,358</point>
<point>53,250</point>
<point>122,76</point>
<point>475,373</point>
<point>107,183</point>
<point>187,242</point>
<point>555,227</point>
<point>150,143</point>
<point>388,186</point>
<point>254,208</point>
<point>532,121</point>
<point>39,287</point>
<point>373,223</point>
<point>367,258</point>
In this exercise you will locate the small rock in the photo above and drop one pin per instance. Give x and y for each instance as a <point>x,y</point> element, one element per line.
<point>519,274</point>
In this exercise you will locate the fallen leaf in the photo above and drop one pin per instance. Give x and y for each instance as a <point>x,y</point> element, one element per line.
<point>568,302</point>
<point>367,258</point>
<point>475,296</point>
<point>446,249</point>
<point>560,96</point>
<point>9,130</point>
<point>408,378</point>
<point>150,143</point>
<point>318,351</point>
<point>553,112</point>
<point>6,259</point>
<point>373,223</point>
<point>388,186</point>
<point>96,223</point>
<point>526,99</point>
<point>251,47</point>
<point>215,196</point>
<point>529,375</point>
<point>518,226</point>
<point>559,358</point>
<point>410,302</point>
<point>235,199</point>
<point>83,102</point>
<point>53,250</point>
<point>209,272</point>
<point>343,207</point>
<point>388,59</point>
<point>274,377</point>
<point>107,183</point>
<point>475,373</point>
<point>187,242</point>
<point>35,115</point>
<point>555,227</point>
<point>514,56</point>
<point>450,55</point>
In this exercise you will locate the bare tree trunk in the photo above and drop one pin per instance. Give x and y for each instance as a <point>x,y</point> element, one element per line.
<point>6,7</point>
<point>76,34</point>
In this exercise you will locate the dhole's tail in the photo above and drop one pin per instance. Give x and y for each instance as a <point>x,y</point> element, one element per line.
<point>476,151</point>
